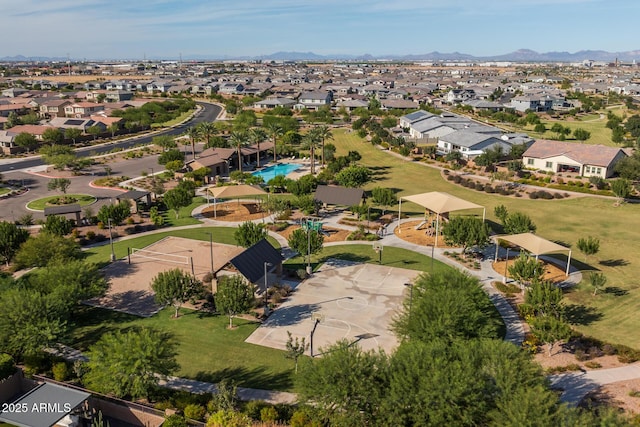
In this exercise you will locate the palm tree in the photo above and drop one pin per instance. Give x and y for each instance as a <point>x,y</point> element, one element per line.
<point>274,130</point>
<point>310,141</point>
<point>256,136</point>
<point>207,130</point>
<point>193,133</point>
<point>323,133</point>
<point>238,140</point>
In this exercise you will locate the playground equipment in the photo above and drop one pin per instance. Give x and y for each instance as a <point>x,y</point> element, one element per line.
<point>312,223</point>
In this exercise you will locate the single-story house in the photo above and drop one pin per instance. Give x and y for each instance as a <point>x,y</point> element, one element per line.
<point>412,118</point>
<point>269,103</point>
<point>471,144</point>
<point>583,159</point>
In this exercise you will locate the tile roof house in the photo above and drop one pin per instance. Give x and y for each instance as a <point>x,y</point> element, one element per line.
<point>583,159</point>
<point>269,103</point>
<point>53,108</point>
<point>314,100</point>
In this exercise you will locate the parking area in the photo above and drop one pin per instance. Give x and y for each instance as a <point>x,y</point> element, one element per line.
<point>352,301</point>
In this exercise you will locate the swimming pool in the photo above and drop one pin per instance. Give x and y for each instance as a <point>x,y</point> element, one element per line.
<point>279,169</point>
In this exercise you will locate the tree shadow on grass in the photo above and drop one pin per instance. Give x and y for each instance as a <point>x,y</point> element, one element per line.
<point>614,262</point>
<point>578,314</point>
<point>253,378</point>
<point>615,291</point>
<point>346,256</point>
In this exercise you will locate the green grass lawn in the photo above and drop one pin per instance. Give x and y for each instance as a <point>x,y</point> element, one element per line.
<point>609,316</point>
<point>392,257</point>
<point>182,117</point>
<point>4,190</point>
<point>207,350</point>
<point>184,214</point>
<point>100,255</point>
<point>40,204</point>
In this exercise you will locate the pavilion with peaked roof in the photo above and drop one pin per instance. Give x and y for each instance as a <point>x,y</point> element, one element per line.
<point>439,203</point>
<point>535,245</point>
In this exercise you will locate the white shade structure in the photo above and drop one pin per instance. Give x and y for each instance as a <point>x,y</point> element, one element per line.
<point>439,203</point>
<point>535,245</point>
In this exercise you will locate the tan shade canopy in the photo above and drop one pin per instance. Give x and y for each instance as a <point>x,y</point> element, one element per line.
<point>535,244</point>
<point>440,203</point>
<point>532,243</point>
<point>234,191</point>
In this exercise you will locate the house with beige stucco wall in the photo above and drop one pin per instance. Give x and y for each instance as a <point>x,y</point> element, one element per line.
<point>583,159</point>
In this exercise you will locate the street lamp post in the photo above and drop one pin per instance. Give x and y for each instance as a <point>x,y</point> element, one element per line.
<point>210,249</point>
<point>266,289</point>
<point>309,270</point>
<point>368,217</point>
<point>113,254</point>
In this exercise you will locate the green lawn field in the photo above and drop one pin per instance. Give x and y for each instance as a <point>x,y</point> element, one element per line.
<point>40,204</point>
<point>207,350</point>
<point>611,315</point>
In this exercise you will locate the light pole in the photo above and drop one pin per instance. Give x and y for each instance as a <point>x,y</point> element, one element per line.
<point>266,289</point>
<point>113,254</point>
<point>368,217</point>
<point>210,250</point>
<point>309,270</point>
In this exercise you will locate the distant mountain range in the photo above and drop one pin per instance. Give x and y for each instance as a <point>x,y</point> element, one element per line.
<point>522,55</point>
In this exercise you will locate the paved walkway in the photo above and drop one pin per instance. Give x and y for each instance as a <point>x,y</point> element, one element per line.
<point>577,385</point>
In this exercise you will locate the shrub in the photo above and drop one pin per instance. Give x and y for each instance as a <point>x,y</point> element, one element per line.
<point>593,365</point>
<point>581,355</point>
<point>634,393</point>
<point>608,349</point>
<point>268,414</point>
<point>558,196</point>
<point>7,366</point>
<point>457,179</point>
<point>595,352</point>
<point>561,369</point>
<point>60,371</point>
<point>253,408</point>
<point>627,354</point>
<point>533,195</point>
<point>489,189</point>
<point>175,421</point>
<point>195,412</point>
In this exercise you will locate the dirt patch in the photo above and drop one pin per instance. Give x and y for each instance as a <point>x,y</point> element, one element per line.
<point>551,272</point>
<point>333,234</point>
<point>407,231</point>
<point>234,211</point>
<point>618,395</point>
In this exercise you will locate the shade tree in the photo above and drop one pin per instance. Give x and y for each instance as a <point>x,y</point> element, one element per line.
<point>466,231</point>
<point>249,233</point>
<point>11,237</point>
<point>234,296</point>
<point>175,287</point>
<point>113,370</point>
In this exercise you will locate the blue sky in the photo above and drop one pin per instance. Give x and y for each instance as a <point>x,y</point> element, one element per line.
<point>223,28</point>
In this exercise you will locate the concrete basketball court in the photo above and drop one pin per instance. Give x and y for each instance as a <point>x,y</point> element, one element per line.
<point>130,284</point>
<point>356,302</point>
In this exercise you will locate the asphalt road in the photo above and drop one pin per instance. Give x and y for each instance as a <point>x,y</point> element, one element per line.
<point>14,207</point>
<point>208,113</point>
